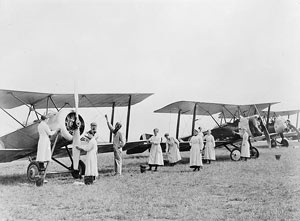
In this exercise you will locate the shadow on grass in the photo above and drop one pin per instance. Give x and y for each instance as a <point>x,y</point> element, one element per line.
<point>13,179</point>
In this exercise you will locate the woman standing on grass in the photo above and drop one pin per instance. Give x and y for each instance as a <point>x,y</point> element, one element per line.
<point>156,156</point>
<point>91,155</point>
<point>209,150</point>
<point>196,143</point>
<point>172,149</point>
<point>245,148</point>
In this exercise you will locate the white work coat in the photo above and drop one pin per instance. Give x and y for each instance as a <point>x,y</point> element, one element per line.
<point>156,156</point>
<point>196,144</point>
<point>172,149</point>
<point>209,151</point>
<point>245,148</point>
<point>44,145</point>
<point>91,167</point>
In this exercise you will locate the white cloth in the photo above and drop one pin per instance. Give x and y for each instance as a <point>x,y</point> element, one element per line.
<point>245,148</point>
<point>91,167</point>
<point>156,156</point>
<point>209,151</point>
<point>97,137</point>
<point>44,145</point>
<point>196,143</point>
<point>172,148</point>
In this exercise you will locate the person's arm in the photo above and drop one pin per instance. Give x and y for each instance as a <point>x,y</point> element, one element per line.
<point>167,147</point>
<point>176,142</point>
<point>201,143</point>
<point>110,127</point>
<point>214,143</point>
<point>48,131</point>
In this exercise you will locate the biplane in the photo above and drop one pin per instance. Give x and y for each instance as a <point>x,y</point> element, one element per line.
<point>22,142</point>
<point>225,133</point>
<point>278,126</point>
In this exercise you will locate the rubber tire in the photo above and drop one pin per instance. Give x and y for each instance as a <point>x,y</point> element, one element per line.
<point>235,154</point>
<point>285,143</point>
<point>33,171</point>
<point>273,143</point>
<point>254,154</point>
<point>81,167</point>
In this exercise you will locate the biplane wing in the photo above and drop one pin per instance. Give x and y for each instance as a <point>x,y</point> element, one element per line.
<point>225,134</point>
<point>244,110</point>
<point>23,142</point>
<point>11,99</point>
<point>280,113</point>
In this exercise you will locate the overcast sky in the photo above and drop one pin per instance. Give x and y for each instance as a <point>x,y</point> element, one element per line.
<point>228,51</point>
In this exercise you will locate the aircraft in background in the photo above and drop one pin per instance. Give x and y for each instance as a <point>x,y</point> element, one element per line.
<point>278,126</point>
<point>225,133</point>
<point>23,142</point>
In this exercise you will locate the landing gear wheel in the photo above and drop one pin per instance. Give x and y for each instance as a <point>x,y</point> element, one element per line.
<point>285,142</point>
<point>77,174</point>
<point>235,154</point>
<point>273,143</point>
<point>33,171</point>
<point>254,153</point>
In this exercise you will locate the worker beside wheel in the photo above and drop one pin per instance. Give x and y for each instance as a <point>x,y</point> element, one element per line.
<point>44,145</point>
<point>245,147</point>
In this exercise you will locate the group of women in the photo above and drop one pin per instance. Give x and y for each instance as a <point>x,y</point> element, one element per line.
<point>197,147</point>
<point>173,154</point>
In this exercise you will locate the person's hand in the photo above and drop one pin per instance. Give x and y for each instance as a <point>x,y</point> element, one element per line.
<point>78,148</point>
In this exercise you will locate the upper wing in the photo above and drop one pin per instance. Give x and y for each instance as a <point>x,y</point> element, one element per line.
<point>187,107</point>
<point>11,99</point>
<point>281,113</point>
<point>244,110</point>
<point>204,108</point>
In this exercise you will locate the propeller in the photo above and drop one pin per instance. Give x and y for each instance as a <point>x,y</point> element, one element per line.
<point>76,135</point>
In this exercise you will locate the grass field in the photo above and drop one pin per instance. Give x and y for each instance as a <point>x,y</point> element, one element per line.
<point>261,189</point>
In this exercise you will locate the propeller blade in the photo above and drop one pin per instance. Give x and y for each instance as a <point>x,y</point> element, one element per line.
<point>76,98</point>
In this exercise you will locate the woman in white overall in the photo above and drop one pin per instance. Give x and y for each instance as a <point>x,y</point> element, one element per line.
<point>172,149</point>
<point>209,150</point>
<point>156,156</point>
<point>91,148</point>
<point>245,148</point>
<point>196,143</point>
<point>44,145</point>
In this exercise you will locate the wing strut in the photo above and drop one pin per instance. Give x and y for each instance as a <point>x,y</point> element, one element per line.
<point>194,118</point>
<point>265,129</point>
<point>12,94</point>
<point>112,119</point>
<point>128,117</point>
<point>228,112</point>
<point>12,117</point>
<point>210,115</point>
<point>178,123</point>
<point>268,117</point>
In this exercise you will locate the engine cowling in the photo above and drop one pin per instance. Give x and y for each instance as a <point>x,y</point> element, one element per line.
<point>65,120</point>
